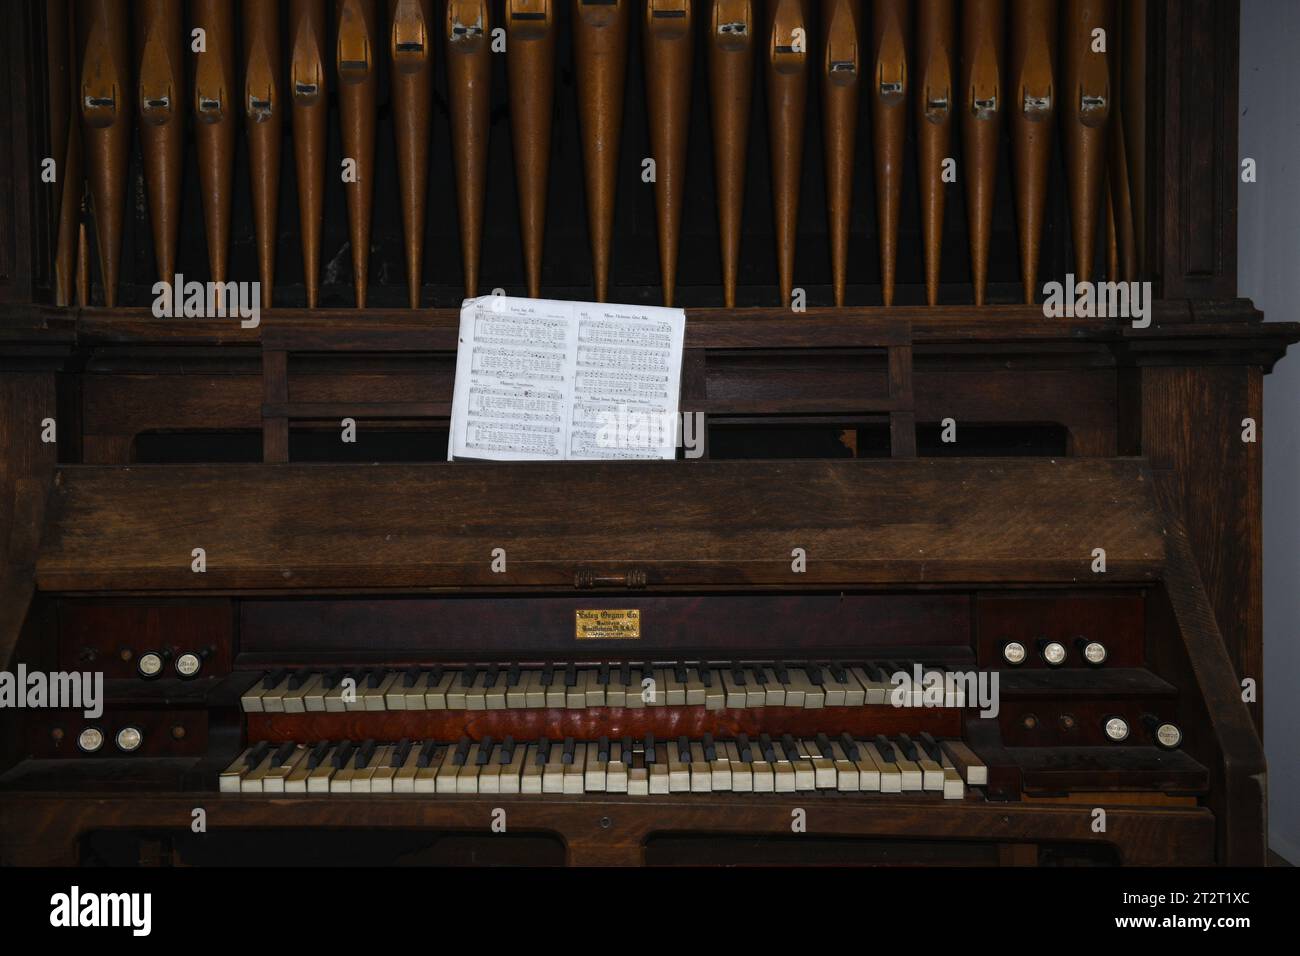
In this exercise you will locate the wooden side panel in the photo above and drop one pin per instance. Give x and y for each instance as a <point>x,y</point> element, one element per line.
<point>1192,427</point>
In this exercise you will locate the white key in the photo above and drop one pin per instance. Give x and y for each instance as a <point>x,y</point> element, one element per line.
<point>530,776</point>
<point>495,696</point>
<point>295,699</point>
<point>674,689</point>
<point>659,783</point>
<point>855,695</point>
<point>435,698</point>
<point>967,763</point>
<point>413,697</point>
<point>846,771</point>
<point>616,690</point>
<point>638,777</point>
<point>891,778</point>
<point>595,689</point>
<point>517,695</point>
<point>594,769</point>
<point>250,702</point>
<point>535,691</point>
<point>735,694</point>
<point>341,781</point>
<point>755,692</point>
<point>358,698</point>
<point>377,697</point>
<point>805,778</point>
<point>385,772</point>
<point>512,772</point>
<point>251,782</point>
<point>694,688</point>
<point>931,772</point>
<point>742,772</point>
<point>574,774</point>
<point>877,692</point>
<point>814,698</point>
<point>467,777</point>
<point>868,769</point>
<point>395,695</point>
<point>794,686</point>
<point>701,770</point>
<point>363,777</point>
<point>445,781</point>
<point>834,689</point>
<point>457,692</point>
<point>275,778</point>
<point>774,689</point>
<point>404,779</point>
<point>715,695</point>
<point>228,780</point>
<point>575,697</point>
<point>489,775</point>
<point>659,691</point>
<point>476,695</point>
<point>318,781</point>
<point>296,780</point>
<point>556,694</point>
<point>720,768</point>
<point>553,772</point>
<point>823,767</point>
<point>762,770</point>
<point>616,769</point>
<point>426,778</point>
<point>334,702</point>
<point>679,769</point>
<point>313,696</point>
<point>634,699</point>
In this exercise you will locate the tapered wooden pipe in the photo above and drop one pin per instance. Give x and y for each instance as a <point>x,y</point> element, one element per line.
<point>787,93</point>
<point>358,85</point>
<point>841,75</point>
<point>65,142</point>
<point>1085,77</point>
<point>1135,121</point>
<point>530,62</point>
<point>469,87</point>
<point>159,49</point>
<point>982,106</point>
<point>890,86</point>
<point>935,42</point>
<point>263,122</point>
<point>668,44</point>
<point>600,31</point>
<point>411,49</point>
<point>215,107</point>
<point>106,119</point>
<point>310,107</point>
<point>1119,188</point>
<point>731,83</point>
<point>1031,74</point>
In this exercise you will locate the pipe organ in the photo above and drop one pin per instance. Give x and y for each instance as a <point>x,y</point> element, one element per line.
<point>690,133</point>
<point>952,556</point>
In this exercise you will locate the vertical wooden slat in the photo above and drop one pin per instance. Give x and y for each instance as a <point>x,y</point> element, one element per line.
<point>890,83</point>
<point>982,105</point>
<point>935,45</point>
<point>841,80</point>
<point>731,70</point>
<point>307,93</point>
<point>263,122</point>
<point>469,89</point>
<point>358,89</point>
<point>411,49</point>
<point>669,37</point>
<point>787,59</point>
<point>65,141</point>
<point>275,390</point>
<point>1085,76</point>
<point>215,110</point>
<point>1034,95</point>
<point>531,31</point>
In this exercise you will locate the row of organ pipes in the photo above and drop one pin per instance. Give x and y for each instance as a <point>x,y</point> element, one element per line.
<point>950,68</point>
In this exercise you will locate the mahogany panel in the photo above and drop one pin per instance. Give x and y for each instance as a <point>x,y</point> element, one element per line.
<point>404,631</point>
<point>111,637</point>
<point>902,522</point>
<point>1117,620</point>
<point>165,732</point>
<point>663,722</point>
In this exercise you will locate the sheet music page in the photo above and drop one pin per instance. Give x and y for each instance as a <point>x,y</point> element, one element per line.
<point>545,380</point>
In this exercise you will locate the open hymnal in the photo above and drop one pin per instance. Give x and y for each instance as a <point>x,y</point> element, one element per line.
<point>544,380</point>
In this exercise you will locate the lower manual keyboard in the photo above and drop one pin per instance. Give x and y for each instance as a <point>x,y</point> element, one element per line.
<point>635,766</point>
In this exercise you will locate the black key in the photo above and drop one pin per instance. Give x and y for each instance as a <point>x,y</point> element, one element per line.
<point>258,755</point>
<point>426,753</point>
<point>627,750</point>
<point>791,749</point>
<point>411,675</point>
<point>710,749</point>
<point>756,671</point>
<point>679,671</point>
<point>907,747</point>
<point>461,753</point>
<point>738,675</point>
<point>683,749</point>
<point>513,676</point>
<point>365,754</point>
<point>625,674</point>
<point>782,672</point>
<point>838,672</point>
<point>849,746</point>
<point>274,678</point>
<point>507,750</point>
<point>885,747</point>
<point>765,746</point>
<point>374,679</point>
<point>602,750</point>
<point>824,746</point>
<point>490,678</point>
<point>468,675</point>
<point>343,754</point>
<point>317,754</point>
<point>874,672</point>
<point>706,675</point>
<point>484,751</point>
<point>602,675</point>
<point>282,754</point>
<point>931,747</point>
<point>814,672</point>
<point>400,753</point>
<point>331,679</point>
<point>571,675</point>
<point>298,678</point>
<point>567,756</point>
<point>435,675</point>
<point>649,744</point>
<point>543,751</point>
<point>548,675</point>
<point>742,746</point>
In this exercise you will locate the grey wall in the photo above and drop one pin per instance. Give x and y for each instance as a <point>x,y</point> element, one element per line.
<point>1268,236</point>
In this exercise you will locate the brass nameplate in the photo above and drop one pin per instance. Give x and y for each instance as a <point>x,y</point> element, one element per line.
<point>607,625</point>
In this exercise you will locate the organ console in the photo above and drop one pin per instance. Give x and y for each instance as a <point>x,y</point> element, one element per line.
<point>942,570</point>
